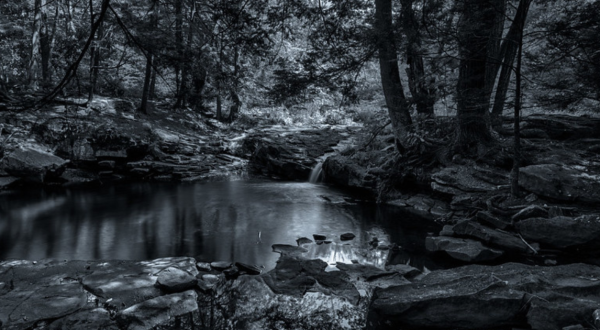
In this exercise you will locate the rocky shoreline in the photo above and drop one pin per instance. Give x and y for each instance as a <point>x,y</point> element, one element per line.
<point>554,230</point>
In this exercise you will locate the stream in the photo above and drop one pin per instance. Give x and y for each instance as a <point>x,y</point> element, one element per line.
<point>229,220</point>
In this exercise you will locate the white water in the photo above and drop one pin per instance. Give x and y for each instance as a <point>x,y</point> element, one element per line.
<point>315,174</point>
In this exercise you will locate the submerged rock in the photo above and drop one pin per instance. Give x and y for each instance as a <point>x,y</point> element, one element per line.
<point>347,237</point>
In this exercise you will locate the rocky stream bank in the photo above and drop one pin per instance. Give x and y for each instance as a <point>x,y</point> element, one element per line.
<point>527,263</point>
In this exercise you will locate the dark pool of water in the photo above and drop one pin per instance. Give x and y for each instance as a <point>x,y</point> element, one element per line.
<point>236,220</point>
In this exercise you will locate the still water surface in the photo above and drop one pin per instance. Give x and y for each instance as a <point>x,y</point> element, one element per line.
<point>235,220</point>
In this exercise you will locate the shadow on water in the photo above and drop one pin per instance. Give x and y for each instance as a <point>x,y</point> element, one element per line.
<point>235,220</point>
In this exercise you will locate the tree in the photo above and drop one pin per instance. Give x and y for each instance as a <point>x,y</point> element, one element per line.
<point>507,57</point>
<point>474,31</point>
<point>390,73</point>
<point>421,86</point>
<point>39,9</point>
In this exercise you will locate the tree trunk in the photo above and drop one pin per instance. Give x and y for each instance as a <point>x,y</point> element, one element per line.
<point>494,47</point>
<point>95,58</point>
<point>219,107</point>
<point>46,44</point>
<point>32,68</point>
<point>152,95</point>
<point>72,70</point>
<point>423,93</point>
<point>509,51</point>
<point>146,89</point>
<point>235,98</point>
<point>517,122</point>
<point>180,52</point>
<point>390,74</point>
<point>474,32</point>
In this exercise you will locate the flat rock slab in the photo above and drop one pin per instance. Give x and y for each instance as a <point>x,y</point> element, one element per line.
<point>157,311</point>
<point>563,232</point>
<point>490,236</point>
<point>456,180</point>
<point>561,182</point>
<point>462,249</point>
<point>288,249</point>
<point>483,297</point>
<point>98,318</point>
<point>128,283</point>
<point>23,308</point>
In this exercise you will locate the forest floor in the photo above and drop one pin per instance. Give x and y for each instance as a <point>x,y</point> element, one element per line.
<point>552,229</point>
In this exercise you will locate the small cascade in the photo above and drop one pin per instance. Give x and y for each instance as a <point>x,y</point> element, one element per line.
<point>315,174</point>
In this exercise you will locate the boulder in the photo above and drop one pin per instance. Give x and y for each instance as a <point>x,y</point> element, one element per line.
<point>561,182</point>
<point>157,311</point>
<point>531,211</point>
<point>490,236</point>
<point>303,240</point>
<point>456,180</point>
<point>77,176</point>
<point>343,171</point>
<point>32,163</point>
<point>173,280</point>
<point>6,181</point>
<point>462,249</point>
<point>562,232</point>
<point>490,297</point>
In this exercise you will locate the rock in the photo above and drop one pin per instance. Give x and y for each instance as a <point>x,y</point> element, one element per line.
<point>303,240</point>
<point>562,232</point>
<point>129,283</point>
<point>7,181</point>
<point>248,269</point>
<point>462,249</point>
<point>484,297</point>
<point>157,311</point>
<point>288,249</point>
<point>561,182</point>
<point>111,154</point>
<point>347,237</point>
<point>203,266</point>
<point>75,176</point>
<point>574,327</point>
<point>447,231</point>
<point>596,318</point>
<point>319,237</point>
<point>490,236</point>
<point>220,265</point>
<point>231,272</point>
<point>32,163</point>
<point>175,280</point>
<point>21,309</point>
<point>552,311</point>
<point>407,271</point>
<point>458,179</point>
<point>488,219</point>
<point>98,318</point>
<point>534,133</point>
<point>531,211</point>
<point>344,172</point>
<point>366,272</point>
<point>109,164</point>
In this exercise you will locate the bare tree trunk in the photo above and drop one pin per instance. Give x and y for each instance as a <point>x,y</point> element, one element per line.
<point>390,74</point>
<point>95,57</point>
<point>146,89</point>
<point>421,89</point>
<point>46,44</point>
<point>494,47</point>
<point>517,121</point>
<point>72,70</point>
<point>474,33</point>
<point>235,98</point>
<point>180,51</point>
<point>32,68</point>
<point>152,95</point>
<point>509,51</point>
<point>219,107</point>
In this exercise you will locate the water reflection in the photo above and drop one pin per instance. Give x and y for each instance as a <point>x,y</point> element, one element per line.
<point>237,220</point>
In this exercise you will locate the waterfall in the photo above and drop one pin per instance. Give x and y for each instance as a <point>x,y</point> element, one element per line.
<point>315,174</point>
